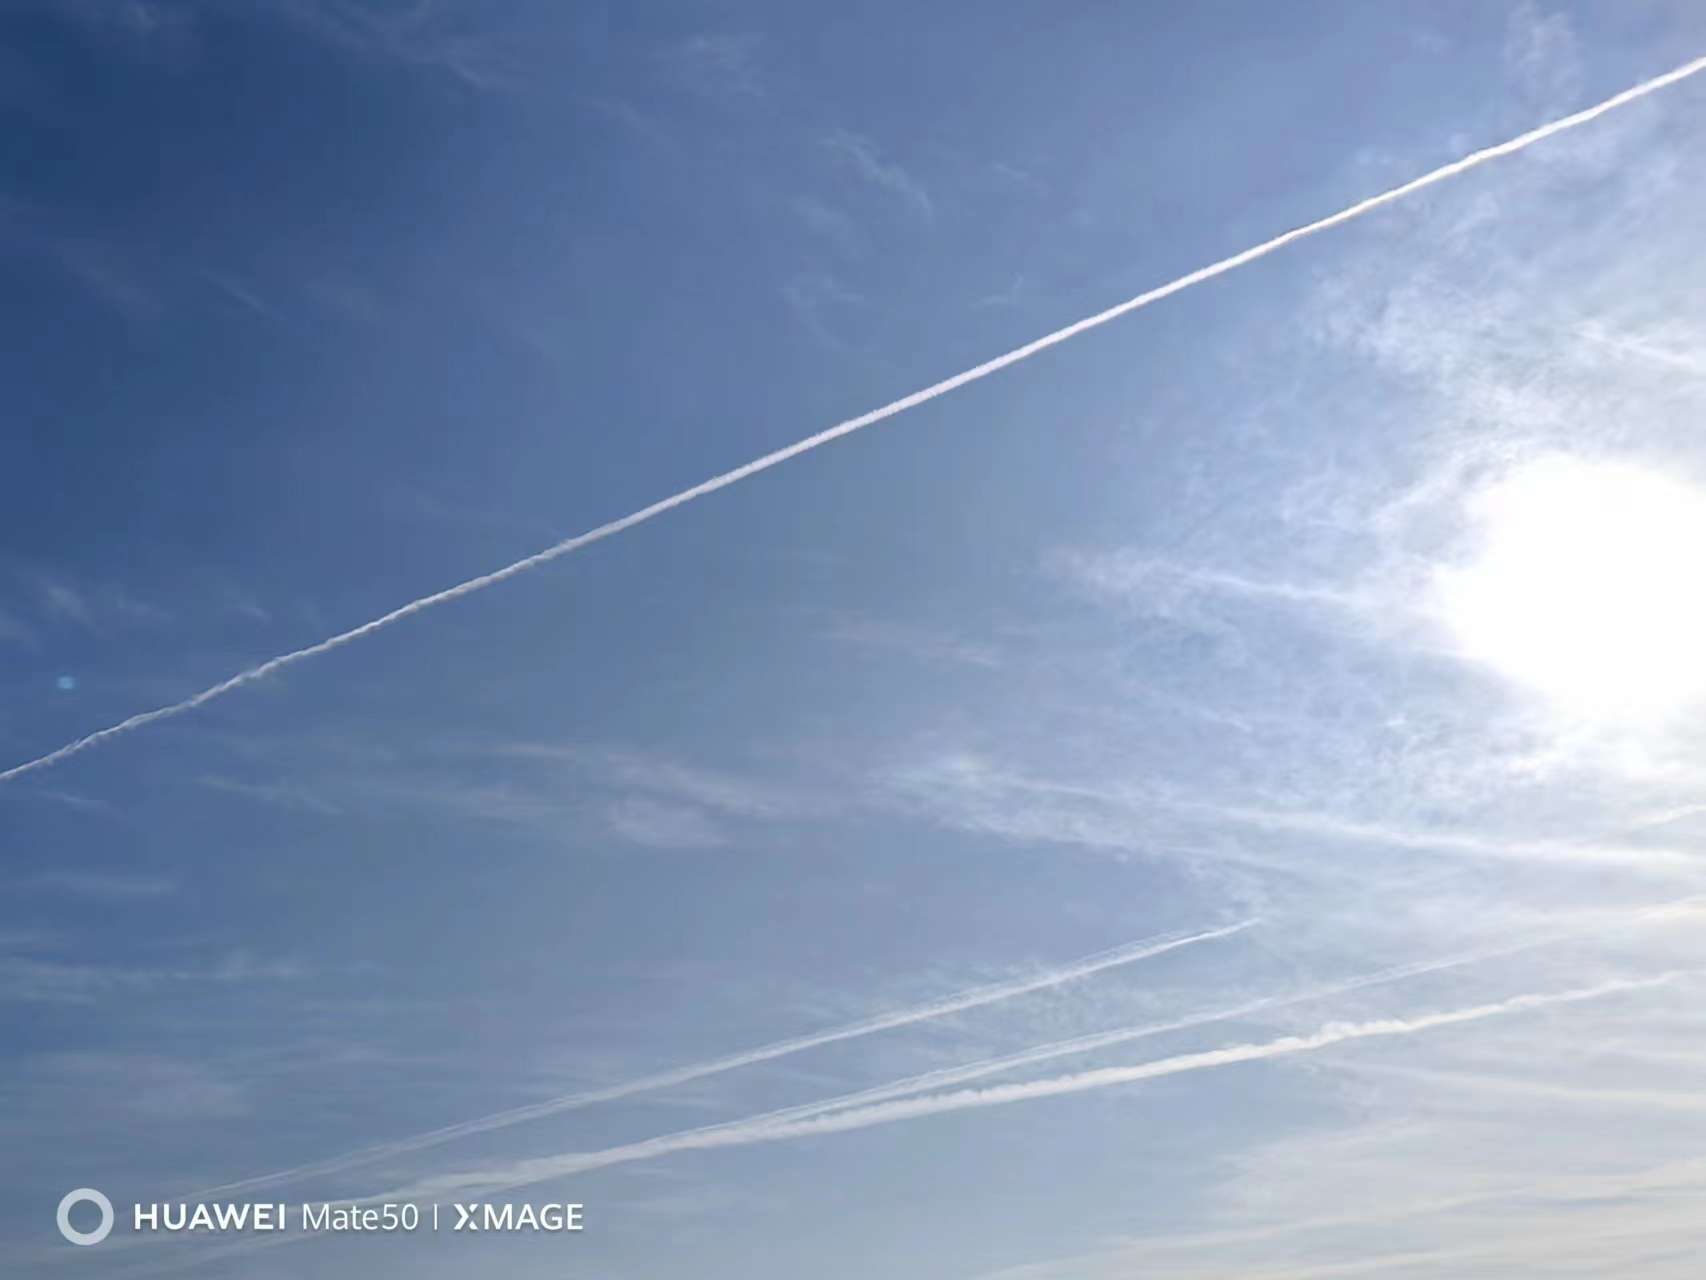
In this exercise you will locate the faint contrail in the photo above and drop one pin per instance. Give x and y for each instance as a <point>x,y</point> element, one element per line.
<point>568,545</point>
<point>972,998</point>
<point>776,1127</point>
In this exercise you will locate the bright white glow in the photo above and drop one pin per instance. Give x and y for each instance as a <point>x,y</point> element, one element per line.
<point>1589,586</point>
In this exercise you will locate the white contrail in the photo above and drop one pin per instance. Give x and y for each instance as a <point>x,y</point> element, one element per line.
<point>972,998</point>
<point>779,456</point>
<point>949,1077</point>
<point>866,1107</point>
<point>778,1127</point>
<point>940,1078</point>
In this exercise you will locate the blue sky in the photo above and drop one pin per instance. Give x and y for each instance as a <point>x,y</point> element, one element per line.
<point>1349,594</point>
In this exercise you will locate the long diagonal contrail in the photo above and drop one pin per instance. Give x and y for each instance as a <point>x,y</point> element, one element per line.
<point>973,998</point>
<point>1474,160</point>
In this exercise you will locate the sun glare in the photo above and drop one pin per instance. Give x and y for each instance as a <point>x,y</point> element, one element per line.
<point>1588,585</point>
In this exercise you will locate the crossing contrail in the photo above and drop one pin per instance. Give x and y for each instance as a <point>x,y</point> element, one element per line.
<point>569,545</point>
<point>822,1119</point>
<point>951,1077</point>
<point>916,1096</point>
<point>798,1120</point>
<point>782,1127</point>
<point>973,998</point>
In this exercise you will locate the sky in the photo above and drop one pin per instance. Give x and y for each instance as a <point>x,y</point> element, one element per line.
<point>1222,798</point>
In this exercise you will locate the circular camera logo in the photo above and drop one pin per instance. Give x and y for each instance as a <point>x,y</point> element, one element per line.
<point>85,1195</point>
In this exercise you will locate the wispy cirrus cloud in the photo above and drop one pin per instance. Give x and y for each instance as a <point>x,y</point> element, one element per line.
<point>103,884</point>
<point>35,976</point>
<point>273,793</point>
<point>660,824</point>
<point>153,1087</point>
<point>862,157</point>
<point>924,643</point>
<point>429,34</point>
<point>120,279</point>
<point>565,788</point>
<point>1419,1170</point>
<point>829,224</point>
<point>816,298</point>
<point>44,598</point>
<point>13,631</point>
<point>1543,53</point>
<point>722,66</point>
<point>976,793</point>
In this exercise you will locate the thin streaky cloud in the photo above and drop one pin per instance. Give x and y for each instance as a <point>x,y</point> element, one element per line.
<point>1124,575</point>
<point>959,1002</point>
<point>1515,1090</point>
<point>102,884</point>
<point>1566,1189</point>
<point>963,790</point>
<point>1333,827</point>
<point>775,458</point>
<point>862,154</point>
